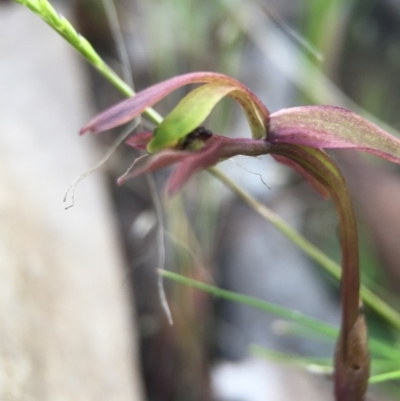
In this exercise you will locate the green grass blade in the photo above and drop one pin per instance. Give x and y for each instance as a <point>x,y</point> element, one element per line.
<point>62,26</point>
<point>384,377</point>
<point>313,365</point>
<point>316,326</point>
<point>309,322</point>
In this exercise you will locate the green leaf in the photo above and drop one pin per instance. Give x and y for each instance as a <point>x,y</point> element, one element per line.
<point>190,112</point>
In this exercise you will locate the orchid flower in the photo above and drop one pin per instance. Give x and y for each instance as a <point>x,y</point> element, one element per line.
<point>294,136</point>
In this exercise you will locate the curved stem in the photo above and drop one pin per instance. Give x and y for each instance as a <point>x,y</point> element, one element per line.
<point>334,269</point>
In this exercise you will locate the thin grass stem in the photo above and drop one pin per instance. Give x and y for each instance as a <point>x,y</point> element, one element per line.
<point>373,301</point>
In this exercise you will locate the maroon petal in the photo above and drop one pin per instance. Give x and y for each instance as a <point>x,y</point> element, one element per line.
<point>128,109</point>
<point>217,148</point>
<point>155,162</point>
<point>200,160</point>
<point>140,140</point>
<point>331,127</point>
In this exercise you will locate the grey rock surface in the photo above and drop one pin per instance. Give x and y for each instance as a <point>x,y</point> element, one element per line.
<point>65,321</point>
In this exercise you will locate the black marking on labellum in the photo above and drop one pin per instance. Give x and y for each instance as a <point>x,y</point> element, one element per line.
<point>200,133</point>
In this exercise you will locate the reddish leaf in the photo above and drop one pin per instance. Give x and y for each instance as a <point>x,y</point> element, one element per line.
<point>128,109</point>
<point>331,127</point>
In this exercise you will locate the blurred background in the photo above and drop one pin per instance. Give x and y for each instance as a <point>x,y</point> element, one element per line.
<point>80,316</point>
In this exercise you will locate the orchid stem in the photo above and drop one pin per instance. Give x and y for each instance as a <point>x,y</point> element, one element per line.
<point>370,299</point>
